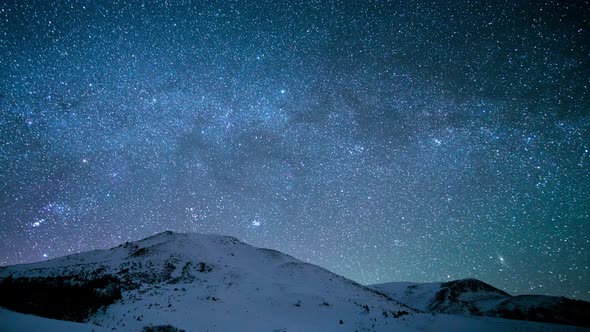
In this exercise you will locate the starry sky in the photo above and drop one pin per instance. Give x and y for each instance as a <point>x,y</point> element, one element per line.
<point>383,140</point>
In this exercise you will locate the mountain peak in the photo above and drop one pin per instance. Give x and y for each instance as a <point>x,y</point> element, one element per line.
<point>168,277</point>
<point>462,286</point>
<point>196,282</point>
<point>171,235</point>
<point>475,297</point>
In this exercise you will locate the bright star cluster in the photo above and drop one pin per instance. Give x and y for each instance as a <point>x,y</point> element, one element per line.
<point>383,140</point>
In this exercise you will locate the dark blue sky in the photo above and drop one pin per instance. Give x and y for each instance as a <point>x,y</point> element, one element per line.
<point>383,140</point>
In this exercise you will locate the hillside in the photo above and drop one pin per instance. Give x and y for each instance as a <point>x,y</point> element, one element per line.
<point>473,297</point>
<point>196,282</point>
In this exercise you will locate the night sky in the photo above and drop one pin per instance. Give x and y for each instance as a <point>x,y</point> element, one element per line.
<point>383,140</point>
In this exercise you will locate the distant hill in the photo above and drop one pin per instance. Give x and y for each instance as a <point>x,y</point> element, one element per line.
<point>475,297</point>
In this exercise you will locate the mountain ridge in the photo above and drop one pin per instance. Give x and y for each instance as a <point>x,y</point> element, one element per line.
<point>197,282</point>
<point>473,297</point>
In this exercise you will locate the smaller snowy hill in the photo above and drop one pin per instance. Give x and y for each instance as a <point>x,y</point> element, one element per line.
<point>475,297</point>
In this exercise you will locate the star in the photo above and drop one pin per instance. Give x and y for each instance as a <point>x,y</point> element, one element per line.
<point>357,136</point>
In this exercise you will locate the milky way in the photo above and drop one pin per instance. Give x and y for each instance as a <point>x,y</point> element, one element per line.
<point>385,141</point>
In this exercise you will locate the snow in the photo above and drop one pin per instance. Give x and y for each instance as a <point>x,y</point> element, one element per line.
<point>14,321</point>
<point>414,295</point>
<point>467,293</point>
<point>199,282</point>
<point>471,297</point>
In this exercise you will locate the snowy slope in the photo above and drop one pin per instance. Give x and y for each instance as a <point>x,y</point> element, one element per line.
<point>198,282</point>
<point>474,297</point>
<point>14,321</point>
<point>454,297</point>
<point>414,295</point>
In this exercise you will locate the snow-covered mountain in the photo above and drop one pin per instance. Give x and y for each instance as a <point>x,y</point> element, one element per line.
<point>196,282</point>
<point>475,297</point>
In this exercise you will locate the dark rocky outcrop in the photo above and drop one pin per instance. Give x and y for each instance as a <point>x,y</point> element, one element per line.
<point>66,298</point>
